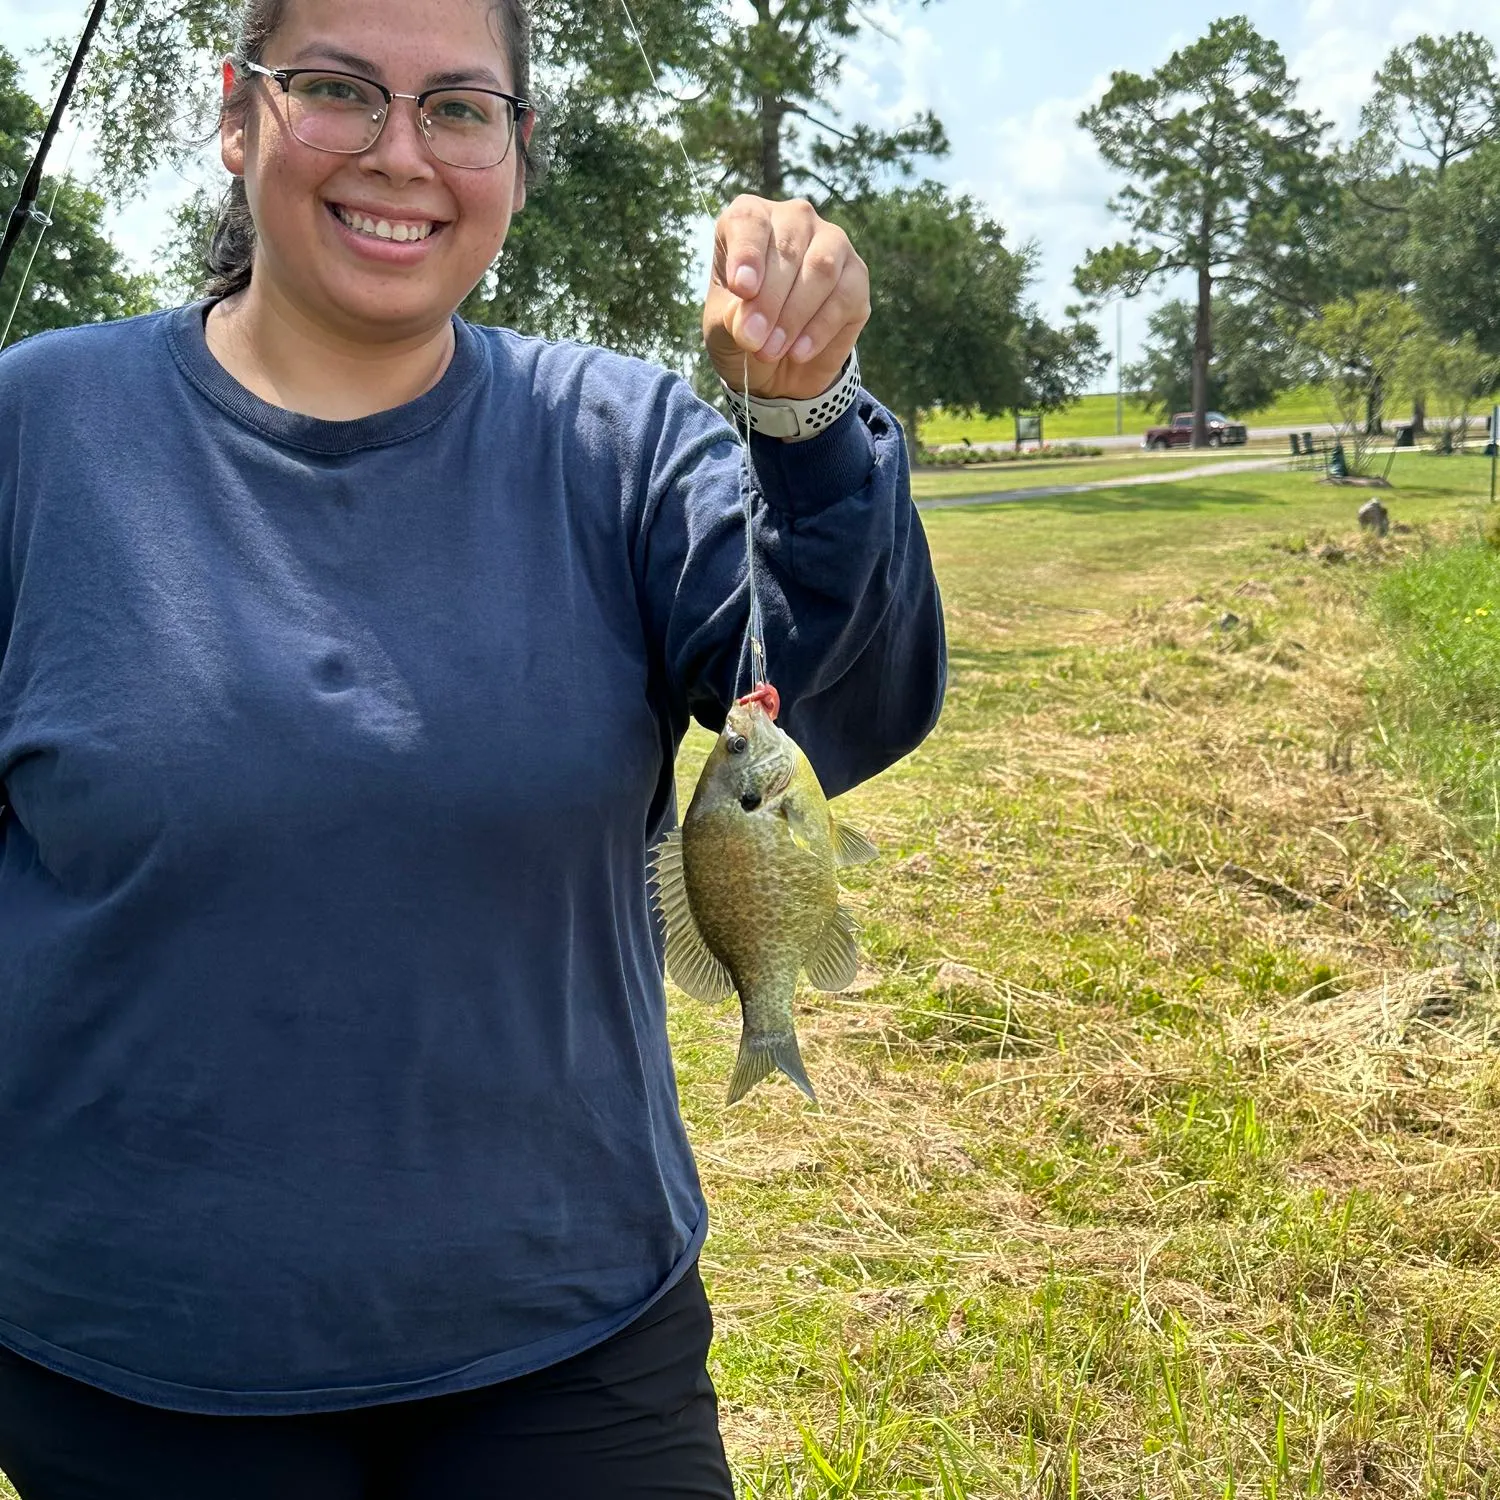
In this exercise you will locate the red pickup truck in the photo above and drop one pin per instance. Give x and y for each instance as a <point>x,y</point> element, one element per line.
<point>1222,433</point>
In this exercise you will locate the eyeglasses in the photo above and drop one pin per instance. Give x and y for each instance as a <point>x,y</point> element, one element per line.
<point>345,114</point>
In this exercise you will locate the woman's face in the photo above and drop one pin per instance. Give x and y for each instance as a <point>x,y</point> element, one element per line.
<point>362,285</point>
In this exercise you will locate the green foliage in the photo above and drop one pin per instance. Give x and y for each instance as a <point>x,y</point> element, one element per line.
<point>1454,249</point>
<point>1443,699</point>
<point>1226,176</point>
<point>1057,364</point>
<point>78,275</point>
<point>1456,372</point>
<point>946,323</point>
<point>1356,347</point>
<point>764,118</point>
<point>1436,97</point>
<point>1255,358</point>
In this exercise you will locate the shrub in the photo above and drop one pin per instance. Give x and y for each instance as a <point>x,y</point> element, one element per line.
<point>954,458</point>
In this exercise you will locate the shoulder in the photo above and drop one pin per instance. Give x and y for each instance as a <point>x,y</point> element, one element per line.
<point>76,360</point>
<point>599,390</point>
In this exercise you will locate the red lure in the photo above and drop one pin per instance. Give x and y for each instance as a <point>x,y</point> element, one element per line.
<point>768,698</point>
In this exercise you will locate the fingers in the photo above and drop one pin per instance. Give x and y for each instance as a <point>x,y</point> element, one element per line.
<point>795,279</point>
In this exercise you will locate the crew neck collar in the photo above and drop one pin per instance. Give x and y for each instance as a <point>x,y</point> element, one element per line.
<point>189,344</point>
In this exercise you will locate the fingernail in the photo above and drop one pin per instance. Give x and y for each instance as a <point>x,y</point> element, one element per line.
<point>757,326</point>
<point>802,349</point>
<point>746,280</point>
<point>774,345</point>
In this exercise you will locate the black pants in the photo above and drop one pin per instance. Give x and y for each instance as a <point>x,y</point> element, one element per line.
<point>633,1418</point>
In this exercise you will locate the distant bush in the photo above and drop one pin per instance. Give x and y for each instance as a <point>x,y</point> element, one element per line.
<point>957,458</point>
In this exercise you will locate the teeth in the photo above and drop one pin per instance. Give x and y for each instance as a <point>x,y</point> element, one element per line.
<point>383,229</point>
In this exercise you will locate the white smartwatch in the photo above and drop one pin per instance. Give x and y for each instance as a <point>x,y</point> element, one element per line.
<point>796,421</point>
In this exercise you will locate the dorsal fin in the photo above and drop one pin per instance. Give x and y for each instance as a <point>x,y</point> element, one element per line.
<point>835,958</point>
<point>692,967</point>
<point>851,847</point>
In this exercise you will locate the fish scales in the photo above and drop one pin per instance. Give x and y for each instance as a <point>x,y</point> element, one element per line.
<point>749,890</point>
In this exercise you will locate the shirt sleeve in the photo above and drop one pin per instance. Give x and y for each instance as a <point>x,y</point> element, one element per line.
<point>853,619</point>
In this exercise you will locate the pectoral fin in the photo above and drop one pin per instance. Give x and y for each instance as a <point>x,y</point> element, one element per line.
<point>692,967</point>
<point>835,959</point>
<point>800,822</point>
<point>851,847</point>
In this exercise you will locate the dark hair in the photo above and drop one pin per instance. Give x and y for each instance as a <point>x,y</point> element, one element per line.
<point>231,252</point>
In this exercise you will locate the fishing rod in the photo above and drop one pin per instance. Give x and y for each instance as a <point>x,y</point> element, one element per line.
<point>26,211</point>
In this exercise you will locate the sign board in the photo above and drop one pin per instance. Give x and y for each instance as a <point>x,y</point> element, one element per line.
<point>1028,429</point>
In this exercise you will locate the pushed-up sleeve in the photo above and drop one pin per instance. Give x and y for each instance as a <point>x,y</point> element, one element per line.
<point>853,620</point>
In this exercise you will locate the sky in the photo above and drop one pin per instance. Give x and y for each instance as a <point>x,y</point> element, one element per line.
<point>1008,78</point>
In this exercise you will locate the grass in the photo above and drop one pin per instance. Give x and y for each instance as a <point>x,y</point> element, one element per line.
<point>1094,416</point>
<point>1444,701</point>
<point>981,479</point>
<point>1158,1153</point>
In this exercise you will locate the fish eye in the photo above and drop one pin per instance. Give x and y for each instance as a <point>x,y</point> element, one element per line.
<point>737,744</point>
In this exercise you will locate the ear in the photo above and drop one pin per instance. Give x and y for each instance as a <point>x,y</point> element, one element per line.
<point>231,128</point>
<point>519,200</point>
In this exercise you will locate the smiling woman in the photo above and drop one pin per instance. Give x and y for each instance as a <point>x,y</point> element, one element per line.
<point>347,651</point>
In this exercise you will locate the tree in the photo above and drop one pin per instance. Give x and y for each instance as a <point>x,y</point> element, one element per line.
<point>1453,250</point>
<point>947,322</point>
<point>78,276</point>
<point>1456,371</point>
<point>1356,345</point>
<point>602,251</point>
<point>765,119</point>
<point>1058,364</point>
<point>1436,98</point>
<point>1228,182</point>
<point>1255,357</point>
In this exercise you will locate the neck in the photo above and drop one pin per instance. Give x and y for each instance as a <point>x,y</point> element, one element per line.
<point>286,358</point>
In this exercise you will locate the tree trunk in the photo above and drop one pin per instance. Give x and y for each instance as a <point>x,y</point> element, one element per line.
<point>1375,408</point>
<point>1203,351</point>
<point>1419,417</point>
<point>772,113</point>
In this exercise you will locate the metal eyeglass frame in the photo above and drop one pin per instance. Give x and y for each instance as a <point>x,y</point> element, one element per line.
<point>520,108</point>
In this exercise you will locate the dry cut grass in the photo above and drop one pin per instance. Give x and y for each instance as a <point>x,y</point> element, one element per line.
<point>1157,1153</point>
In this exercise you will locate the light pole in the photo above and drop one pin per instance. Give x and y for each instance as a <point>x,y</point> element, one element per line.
<point>1119,367</point>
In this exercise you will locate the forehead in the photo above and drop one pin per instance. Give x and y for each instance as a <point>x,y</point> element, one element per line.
<point>404,41</point>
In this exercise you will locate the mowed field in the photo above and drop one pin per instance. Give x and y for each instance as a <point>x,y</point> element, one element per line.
<point>1159,1151</point>
<point>1094,416</point>
<point>1160,1137</point>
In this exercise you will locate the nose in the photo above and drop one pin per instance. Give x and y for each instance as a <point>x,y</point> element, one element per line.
<point>401,154</point>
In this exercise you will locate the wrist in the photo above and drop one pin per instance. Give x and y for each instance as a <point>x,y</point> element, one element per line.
<point>795,421</point>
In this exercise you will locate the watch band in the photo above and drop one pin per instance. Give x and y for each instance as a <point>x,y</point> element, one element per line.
<point>796,421</point>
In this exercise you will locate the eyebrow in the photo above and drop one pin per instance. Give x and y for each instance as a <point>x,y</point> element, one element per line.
<point>356,64</point>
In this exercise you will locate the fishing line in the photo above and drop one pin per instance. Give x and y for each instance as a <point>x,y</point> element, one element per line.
<point>753,652</point>
<point>46,223</point>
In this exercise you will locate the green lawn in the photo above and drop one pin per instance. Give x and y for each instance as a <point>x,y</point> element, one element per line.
<point>1159,1153</point>
<point>979,479</point>
<point>1094,416</point>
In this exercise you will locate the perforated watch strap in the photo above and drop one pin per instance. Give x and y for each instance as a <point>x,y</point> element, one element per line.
<point>797,421</point>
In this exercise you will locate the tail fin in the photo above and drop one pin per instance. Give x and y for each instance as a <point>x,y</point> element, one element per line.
<point>760,1055</point>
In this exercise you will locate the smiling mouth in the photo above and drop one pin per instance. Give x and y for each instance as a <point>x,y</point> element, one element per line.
<point>401,231</point>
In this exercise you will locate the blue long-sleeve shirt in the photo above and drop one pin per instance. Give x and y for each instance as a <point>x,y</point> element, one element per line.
<point>333,1054</point>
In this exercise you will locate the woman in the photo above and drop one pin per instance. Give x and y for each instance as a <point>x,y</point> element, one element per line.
<point>346,652</point>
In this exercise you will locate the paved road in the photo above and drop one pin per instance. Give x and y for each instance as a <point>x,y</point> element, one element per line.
<point>1318,429</point>
<point>1041,492</point>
